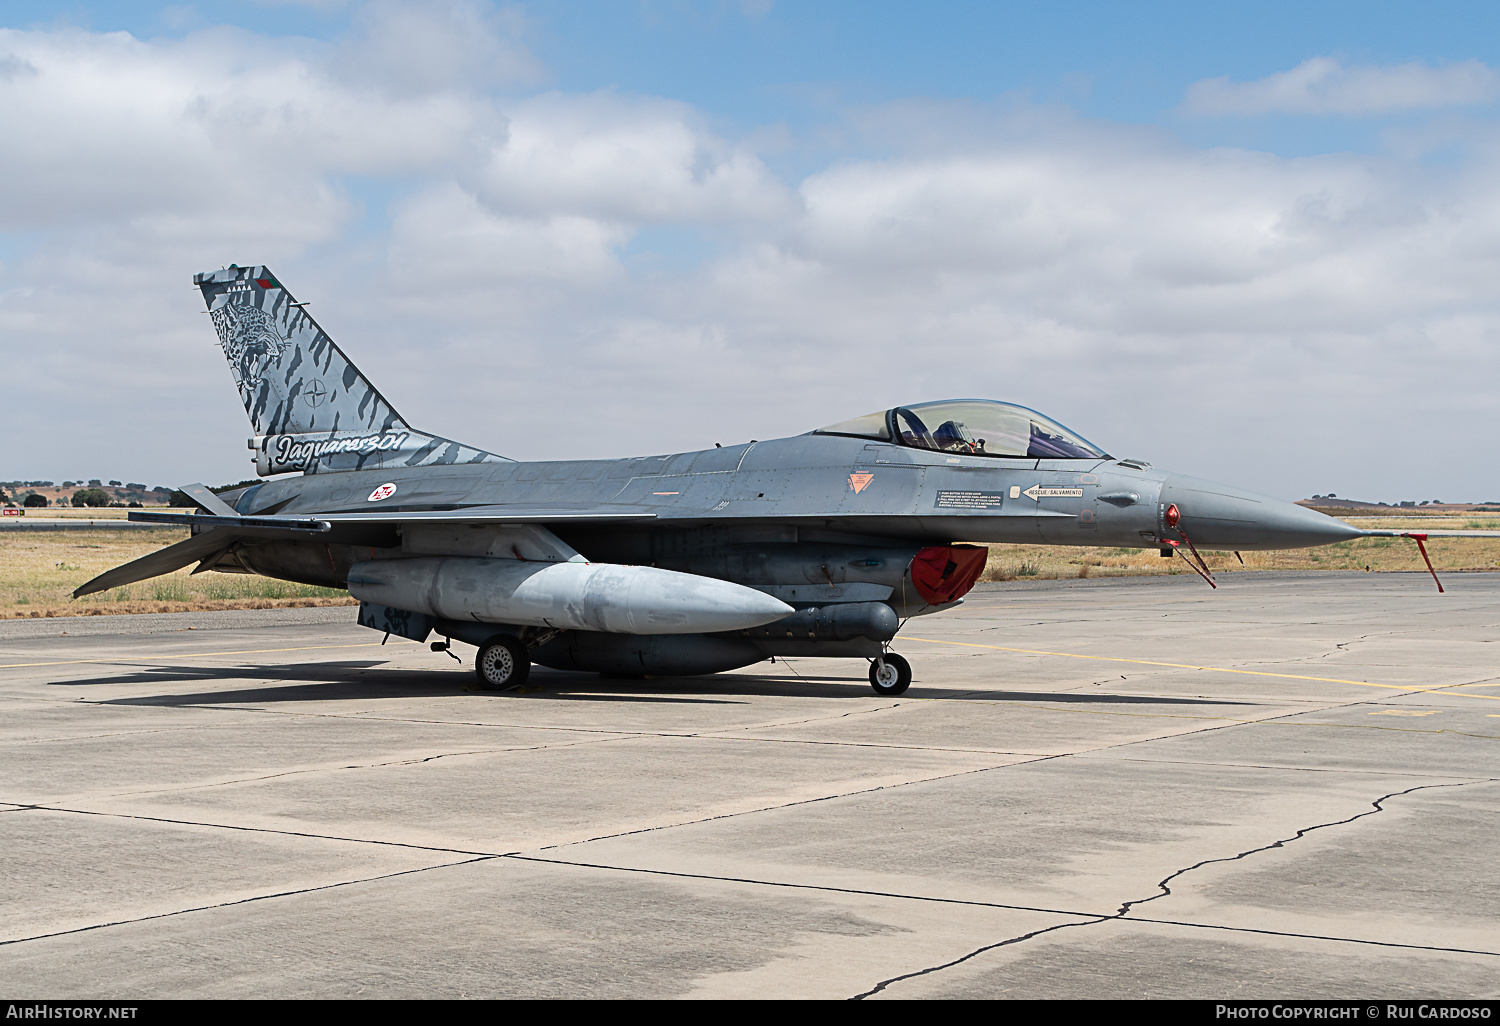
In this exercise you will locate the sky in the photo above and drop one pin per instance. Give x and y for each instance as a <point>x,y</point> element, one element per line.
<point>1254,243</point>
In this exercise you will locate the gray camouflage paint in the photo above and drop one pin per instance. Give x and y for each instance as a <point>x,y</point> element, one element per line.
<point>310,407</point>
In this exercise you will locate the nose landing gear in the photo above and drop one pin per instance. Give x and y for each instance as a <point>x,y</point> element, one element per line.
<point>890,674</point>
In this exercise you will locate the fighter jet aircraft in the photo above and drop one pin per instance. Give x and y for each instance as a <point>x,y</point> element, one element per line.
<point>821,544</point>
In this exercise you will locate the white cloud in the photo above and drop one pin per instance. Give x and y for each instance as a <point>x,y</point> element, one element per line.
<point>221,126</point>
<point>447,242</point>
<point>402,47</point>
<point>1322,85</point>
<point>626,159</point>
<point>1235,314</point>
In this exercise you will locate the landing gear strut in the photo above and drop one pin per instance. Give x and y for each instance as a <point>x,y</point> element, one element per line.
<point>890,674</point>
<point>502,663</point>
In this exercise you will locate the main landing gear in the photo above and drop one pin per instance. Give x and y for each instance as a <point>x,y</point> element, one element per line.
<point>502,663</point>
<point>890,674</point>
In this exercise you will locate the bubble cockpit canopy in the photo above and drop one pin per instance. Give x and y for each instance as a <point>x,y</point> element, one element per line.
<point>974,427</point>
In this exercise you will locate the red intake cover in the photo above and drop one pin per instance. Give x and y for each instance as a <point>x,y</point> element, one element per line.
<point>943,573</point>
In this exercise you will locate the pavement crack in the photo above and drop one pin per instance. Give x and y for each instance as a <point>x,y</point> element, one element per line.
<point>1220,725</point>
<point>1342,647</point>
<point>1091,917</point>
<point>1377,806</point>
<point>883,984</point>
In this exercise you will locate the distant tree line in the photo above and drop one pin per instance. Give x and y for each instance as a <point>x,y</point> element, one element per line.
<point>133,486</point>
<point>93,495</point>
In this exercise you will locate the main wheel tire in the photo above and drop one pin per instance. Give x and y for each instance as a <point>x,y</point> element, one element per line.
<point>501,664</point>
<point>890,674</point>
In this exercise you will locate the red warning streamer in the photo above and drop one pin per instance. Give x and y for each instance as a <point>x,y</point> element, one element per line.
<point>1419,539</point>
<point>1202,567</point>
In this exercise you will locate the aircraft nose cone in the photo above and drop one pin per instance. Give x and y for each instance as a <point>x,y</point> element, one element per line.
<point>1224,517</point>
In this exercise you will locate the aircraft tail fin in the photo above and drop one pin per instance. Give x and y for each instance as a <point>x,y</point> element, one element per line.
<point>310,407</point>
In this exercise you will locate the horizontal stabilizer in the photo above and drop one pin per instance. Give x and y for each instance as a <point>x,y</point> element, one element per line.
<point>233,519</point>
<point>163,561</point>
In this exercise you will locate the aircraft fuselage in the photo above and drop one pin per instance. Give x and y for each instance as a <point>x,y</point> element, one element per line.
<point>804,491</point>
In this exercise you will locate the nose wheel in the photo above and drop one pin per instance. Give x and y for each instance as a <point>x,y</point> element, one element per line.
<point>890,674</point>
<point>502,663</point>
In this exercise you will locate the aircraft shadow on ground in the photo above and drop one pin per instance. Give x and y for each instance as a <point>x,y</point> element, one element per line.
<point>178,673</point>
<point>369,680</point>
<point>366,680</point>
<point>310,682</point>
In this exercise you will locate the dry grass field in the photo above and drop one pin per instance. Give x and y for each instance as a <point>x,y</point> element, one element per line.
<point>40,569</point>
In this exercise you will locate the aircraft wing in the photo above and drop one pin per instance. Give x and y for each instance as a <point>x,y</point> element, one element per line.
<point>488,514</point>
<point>276,523</point>
<point>224,531</point>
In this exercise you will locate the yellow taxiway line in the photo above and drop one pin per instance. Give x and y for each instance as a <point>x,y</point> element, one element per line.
<point>1217,669</point>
